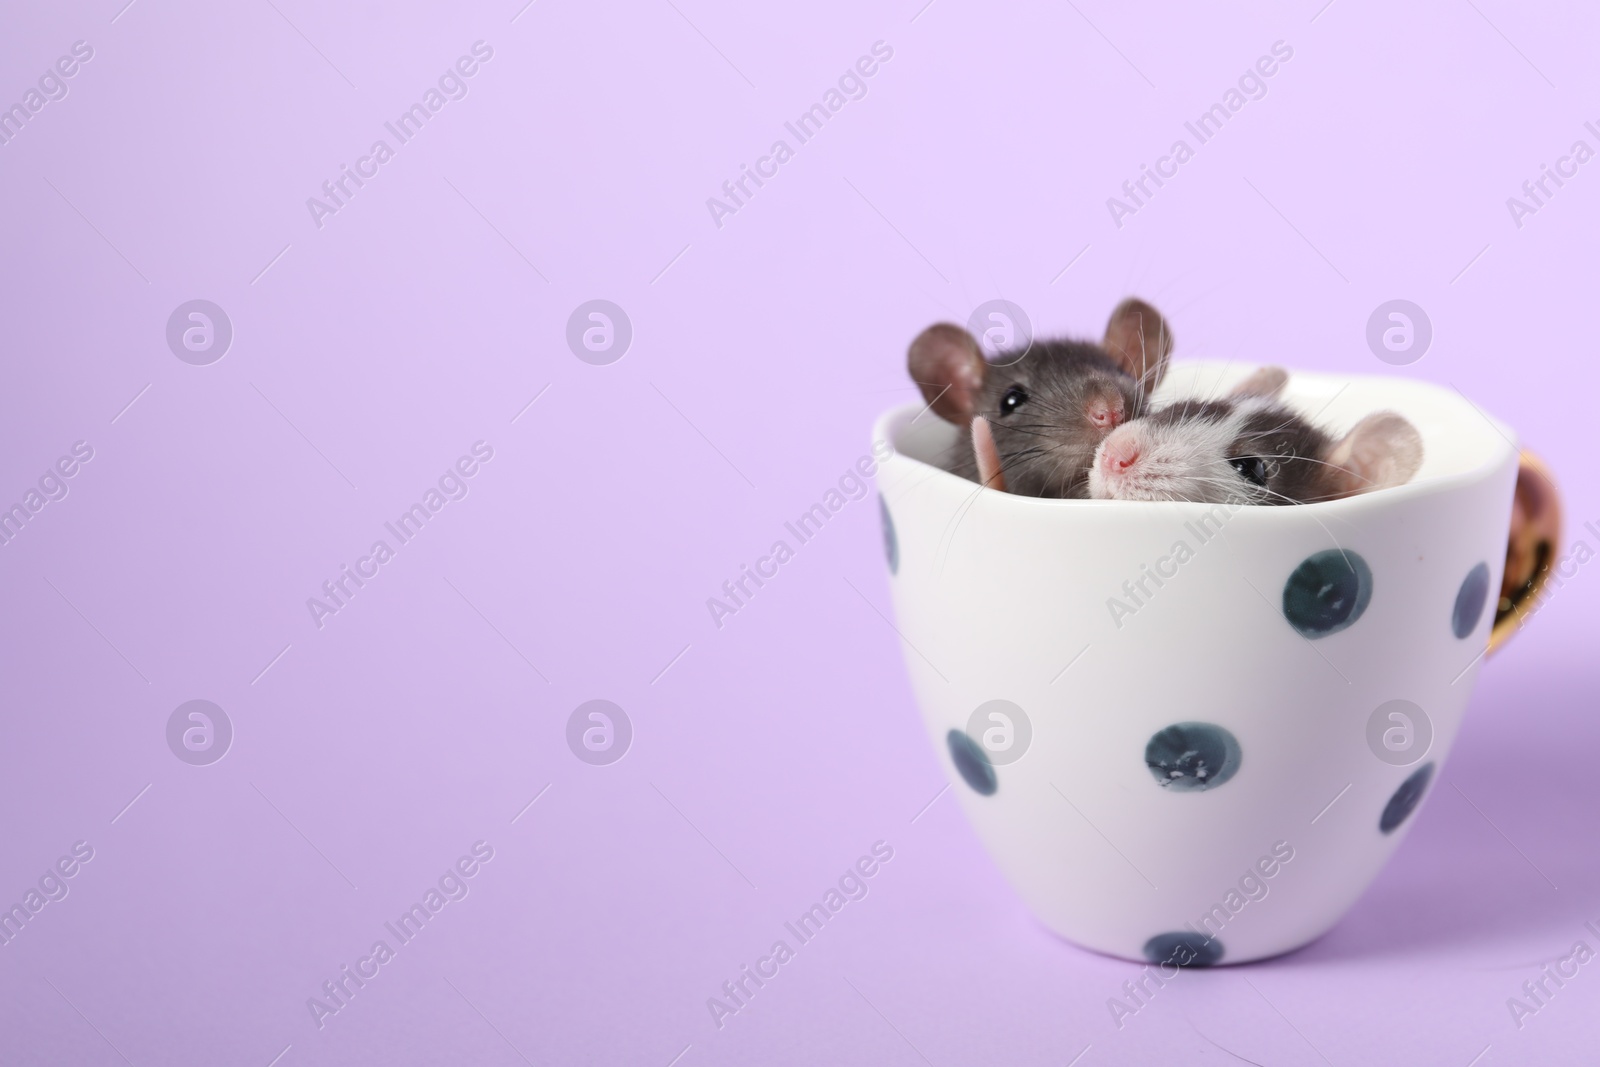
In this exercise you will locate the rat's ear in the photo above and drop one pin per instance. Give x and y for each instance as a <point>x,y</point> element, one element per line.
<point>1267,383</point>
<point>948,366</point>
<point>1383,450</point>
<point>1139,340</point>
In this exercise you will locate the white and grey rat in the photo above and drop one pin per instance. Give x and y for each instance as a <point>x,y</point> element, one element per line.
<point>1037,416</point>
<point>1248,448</point>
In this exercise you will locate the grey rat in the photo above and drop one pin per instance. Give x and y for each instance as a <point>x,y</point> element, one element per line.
<point>1248,448</point>
<point>1037,416</point>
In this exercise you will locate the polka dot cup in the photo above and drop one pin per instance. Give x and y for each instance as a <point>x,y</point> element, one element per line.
<point>1199,784</point>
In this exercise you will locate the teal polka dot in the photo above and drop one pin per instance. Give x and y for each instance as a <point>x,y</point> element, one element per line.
<point>1470,600</point>
<point>891,543</point>
<point>1192,756</point>
<point>1183,949</point>
<point>1327,593</point>
<point>1405,799</point>
<point>973,765</point>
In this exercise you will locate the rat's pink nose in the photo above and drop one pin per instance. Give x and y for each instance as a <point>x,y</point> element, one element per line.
<point>1120,452</point>
<point>1105,414</point>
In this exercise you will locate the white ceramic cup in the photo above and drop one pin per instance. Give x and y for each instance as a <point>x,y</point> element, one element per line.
<point>1193,734</point>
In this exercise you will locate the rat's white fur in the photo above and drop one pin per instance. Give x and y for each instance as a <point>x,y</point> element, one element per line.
<point>1179,461</point>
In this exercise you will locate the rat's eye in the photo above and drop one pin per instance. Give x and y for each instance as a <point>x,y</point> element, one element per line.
<point>1015,397</point>
<point>1251,469</point>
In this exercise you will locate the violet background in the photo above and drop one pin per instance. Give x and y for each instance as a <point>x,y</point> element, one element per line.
<point>416,322</point>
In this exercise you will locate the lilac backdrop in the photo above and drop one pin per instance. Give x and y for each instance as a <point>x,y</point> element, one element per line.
<point>372,350</point>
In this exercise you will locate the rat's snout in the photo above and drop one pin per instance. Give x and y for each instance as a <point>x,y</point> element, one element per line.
<point>1106,411</point>
<point>1120,452</point>
<point>1129,464</point>
<point>1114,474</point>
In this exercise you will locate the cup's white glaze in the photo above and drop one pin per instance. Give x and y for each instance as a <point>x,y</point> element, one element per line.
<point>1000,597</point>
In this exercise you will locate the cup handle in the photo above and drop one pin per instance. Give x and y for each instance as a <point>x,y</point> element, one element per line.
<point>1531,550</point>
